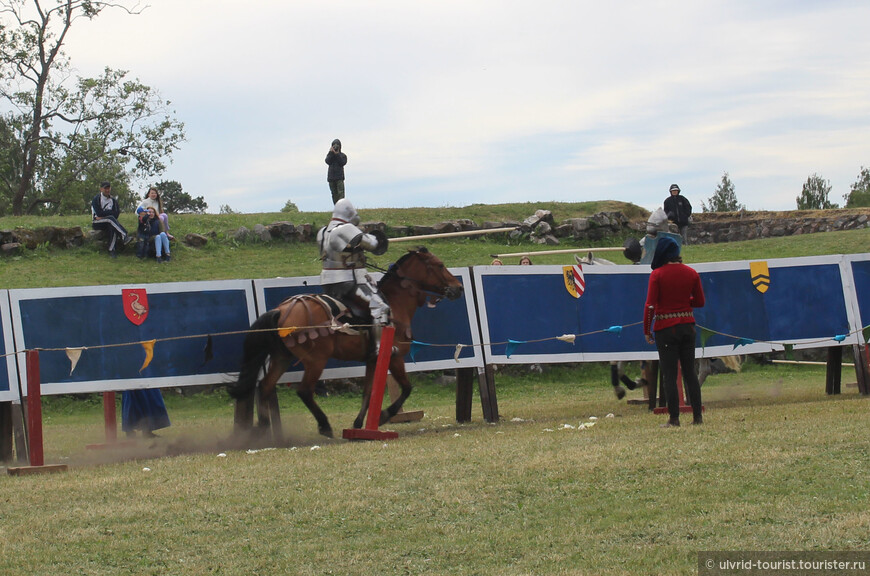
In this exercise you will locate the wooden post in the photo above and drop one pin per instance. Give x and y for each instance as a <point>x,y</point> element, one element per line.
<point>464,380</point>
<point>488,401</point>
<point>5,431</point>
<point>376,398</point>
<point>862,367</point>
<point>834,370</point>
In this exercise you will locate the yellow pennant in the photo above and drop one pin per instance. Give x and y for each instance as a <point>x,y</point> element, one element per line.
<point>760,276</point>
<point>149,353</point>
<point>284,332</point>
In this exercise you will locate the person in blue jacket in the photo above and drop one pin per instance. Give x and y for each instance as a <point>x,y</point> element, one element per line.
<point>105,211</point>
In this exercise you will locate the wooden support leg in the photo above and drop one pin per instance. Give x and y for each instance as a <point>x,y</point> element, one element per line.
<point>834,370</point>
<point>5,431</point>
<point>861,355</point>
<point>464,387</point>
<point>486,385</point>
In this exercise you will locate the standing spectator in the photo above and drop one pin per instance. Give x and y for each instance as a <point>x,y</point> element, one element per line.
<point>105,211</point>
<point>153,199</point>
<point>151,230</point>
<point>674,290</point>
<point>336,160</point>
<point>679,211</point>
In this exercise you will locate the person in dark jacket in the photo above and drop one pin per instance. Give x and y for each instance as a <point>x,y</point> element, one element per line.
<point>336,160</point>
<point>105,211</point>
<point>151,230</point>
<point>679,211</point>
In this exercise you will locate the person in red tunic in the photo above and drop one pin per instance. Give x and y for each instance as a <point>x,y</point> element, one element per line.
<point>674,290</point>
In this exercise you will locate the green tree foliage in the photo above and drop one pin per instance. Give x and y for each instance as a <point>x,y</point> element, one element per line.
<point>724,199</point>
<point>177,201</point>
<point>290,207</point>
<point>71,132</point>
<point>859,194</point>
<point>814,195</point>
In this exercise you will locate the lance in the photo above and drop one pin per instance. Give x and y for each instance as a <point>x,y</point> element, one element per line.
<point>563,251</point>
<point>449,235</point>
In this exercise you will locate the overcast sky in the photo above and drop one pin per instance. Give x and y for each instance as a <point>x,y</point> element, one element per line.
<point>451,103</point>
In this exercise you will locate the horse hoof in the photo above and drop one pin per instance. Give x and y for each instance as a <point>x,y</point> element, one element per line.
<point>326,432</point>
<point>619,391</point>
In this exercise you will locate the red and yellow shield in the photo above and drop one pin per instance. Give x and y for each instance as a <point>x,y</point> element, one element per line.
<point>135,305</point>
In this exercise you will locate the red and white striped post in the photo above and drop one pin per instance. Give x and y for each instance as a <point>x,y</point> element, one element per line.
<point>376,398</point>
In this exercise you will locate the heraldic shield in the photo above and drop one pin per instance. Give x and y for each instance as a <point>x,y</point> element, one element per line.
<point>135,305</point>
<point>575,283</point>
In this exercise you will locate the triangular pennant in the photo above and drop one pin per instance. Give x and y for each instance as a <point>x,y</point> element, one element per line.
<point>567,338</point>
<point>459,348</point>
<point>840,337</point>
<point>789,351</point>
<point>415,347</point>
<point>208,351</point>
<point>615,330</point>
<point>706,333</point>
<point>73,354</point>
<point>511,347</point>
<point>149,353</point>
<point>866,332</point>
<point>743,342</point>
<point>284,332</point>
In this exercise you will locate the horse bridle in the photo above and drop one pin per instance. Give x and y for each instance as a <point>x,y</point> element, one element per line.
<point>416,286</point>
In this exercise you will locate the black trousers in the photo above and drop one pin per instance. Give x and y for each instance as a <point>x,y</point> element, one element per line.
<point>676,347</point>
<point>113,228</point>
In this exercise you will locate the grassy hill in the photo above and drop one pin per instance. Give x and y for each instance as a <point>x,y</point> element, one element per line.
<point>225,258</point>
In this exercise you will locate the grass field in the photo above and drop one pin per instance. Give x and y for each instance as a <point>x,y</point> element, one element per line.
<point>778,465</point>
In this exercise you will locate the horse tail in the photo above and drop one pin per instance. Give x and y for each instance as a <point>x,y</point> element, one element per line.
<point>258,346</point>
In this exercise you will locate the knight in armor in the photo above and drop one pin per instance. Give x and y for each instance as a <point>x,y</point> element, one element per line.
<point>343,251</point>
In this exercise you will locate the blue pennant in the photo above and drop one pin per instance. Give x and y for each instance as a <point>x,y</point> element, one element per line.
<point>743,342</point>
<point>415,347</point>
<point>511,347</point>
<point>615,330</point>
<point>840,337</point>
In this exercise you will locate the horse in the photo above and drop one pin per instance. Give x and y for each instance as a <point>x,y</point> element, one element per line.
<point>306,327</point>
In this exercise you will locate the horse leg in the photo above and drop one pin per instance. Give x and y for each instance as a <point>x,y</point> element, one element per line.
<point>306,394</point>
<point>367,394</point>
<point>267,407</point>
<point>397,368</point>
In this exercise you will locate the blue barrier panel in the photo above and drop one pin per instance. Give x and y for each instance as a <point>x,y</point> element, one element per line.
<point>449,323</point>
<point>180,317</point>
<point>8,372</point>
<point>805,305</point>
<point>859,266</point>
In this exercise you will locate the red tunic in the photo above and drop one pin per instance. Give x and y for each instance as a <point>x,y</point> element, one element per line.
<point>673,289</point>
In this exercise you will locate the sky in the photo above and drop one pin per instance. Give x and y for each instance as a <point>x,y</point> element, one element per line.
<point>451,103</point>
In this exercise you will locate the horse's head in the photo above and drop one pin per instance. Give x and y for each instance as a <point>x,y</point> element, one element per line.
<point>421,270</point>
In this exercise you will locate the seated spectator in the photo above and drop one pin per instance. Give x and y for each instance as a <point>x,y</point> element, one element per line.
<point>105,211</point>
<point>153,199</point>
<point>525,261</point>
<point>496,262</point>
<point>151,229</point>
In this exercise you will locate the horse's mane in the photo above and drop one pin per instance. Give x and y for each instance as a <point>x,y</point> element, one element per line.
<point>393,270</point>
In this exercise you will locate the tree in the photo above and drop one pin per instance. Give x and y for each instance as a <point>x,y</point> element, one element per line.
<point>176,201</point>
<point>66,125</point>
<point>814,195</point>
<point>290,207</point>
<point>859,195</point>
<point>723,199</point>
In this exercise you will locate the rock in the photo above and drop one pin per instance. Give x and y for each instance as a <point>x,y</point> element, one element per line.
<point>10,248</point>
<point>195,240</point>
<point>51,235</point>
<point>261,233</point>
<point>241,234</point>
<point>285,231</point>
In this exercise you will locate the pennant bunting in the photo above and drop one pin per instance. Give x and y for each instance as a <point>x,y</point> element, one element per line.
<point>743,342</point>
<point>567,338</point>
<point>839,337</point>
<point>284,332</point>
<point>866,333</point>
<point>459,348</point>
<point>415,347</point>
<point>706,333</point>
<point>511,347</point>
<point>73,354</point>
<point>789,351</point>
<point>149,353</point>
<point>615,330</point>
<point>208,351</point>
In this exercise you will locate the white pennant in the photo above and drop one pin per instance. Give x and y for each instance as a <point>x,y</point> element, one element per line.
<point>459,348</point>
<point>567,338</point>
<point>74,354</point>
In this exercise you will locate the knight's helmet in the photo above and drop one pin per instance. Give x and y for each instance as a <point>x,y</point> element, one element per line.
<point>344,210</point>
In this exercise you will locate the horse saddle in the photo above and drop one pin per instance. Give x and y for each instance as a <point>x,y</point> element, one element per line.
<point>343,316</point>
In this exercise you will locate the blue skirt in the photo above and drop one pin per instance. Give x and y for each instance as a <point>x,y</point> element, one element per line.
<point>143,410</point>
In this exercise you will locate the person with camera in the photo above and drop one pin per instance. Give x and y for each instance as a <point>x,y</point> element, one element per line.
<point>151,230</point>
<point>679,211</point>
<point>336,159</point>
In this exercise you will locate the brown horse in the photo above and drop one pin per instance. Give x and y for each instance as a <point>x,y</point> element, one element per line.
<point>305,327</point>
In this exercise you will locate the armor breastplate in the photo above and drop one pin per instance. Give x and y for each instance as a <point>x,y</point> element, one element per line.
<point>343,258</point>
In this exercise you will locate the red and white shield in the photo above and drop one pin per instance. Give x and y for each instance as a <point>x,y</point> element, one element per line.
<point>135,305</point>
